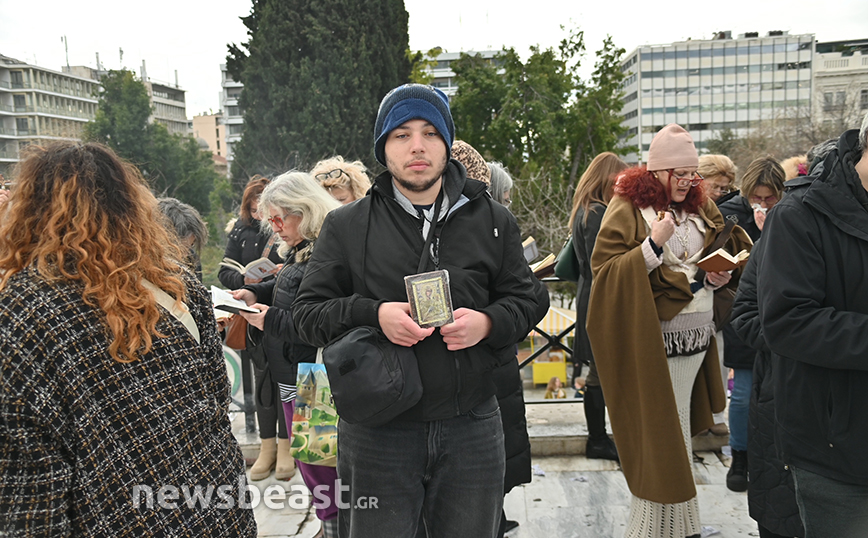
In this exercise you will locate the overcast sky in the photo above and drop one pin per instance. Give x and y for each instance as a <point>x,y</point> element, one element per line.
<point>191,37</point>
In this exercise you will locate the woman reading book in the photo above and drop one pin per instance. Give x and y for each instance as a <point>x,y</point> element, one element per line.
<point>651,329</point>
<point>296,207</point>
<point>246,243</point>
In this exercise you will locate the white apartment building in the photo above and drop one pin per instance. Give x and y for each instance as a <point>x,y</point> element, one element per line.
<point>841,83</point>
<point>711,85</point>
<point>444,76</point>
<point>233,115</point>
<point>38,105</point>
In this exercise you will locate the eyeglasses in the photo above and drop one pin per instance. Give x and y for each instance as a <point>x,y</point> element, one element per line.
<point>334,174</point>
<point>690,178</point>
<point>278,222</point>
<point>722,189</point>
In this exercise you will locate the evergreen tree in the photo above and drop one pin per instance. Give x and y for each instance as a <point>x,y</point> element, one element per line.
<point>174,165</point>
<point>314,73</point>
<point>543,122</point>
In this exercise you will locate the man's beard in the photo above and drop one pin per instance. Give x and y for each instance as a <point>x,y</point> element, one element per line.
<point>417,187</point>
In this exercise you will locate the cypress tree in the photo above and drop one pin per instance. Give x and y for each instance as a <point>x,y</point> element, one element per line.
<point>314,72</point>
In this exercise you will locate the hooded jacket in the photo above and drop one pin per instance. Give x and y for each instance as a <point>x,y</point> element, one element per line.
<point>366,248</point>
<point>813,307</point>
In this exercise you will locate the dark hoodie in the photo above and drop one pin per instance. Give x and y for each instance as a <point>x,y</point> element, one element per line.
<point>813,306</point>
<point>366,248</point>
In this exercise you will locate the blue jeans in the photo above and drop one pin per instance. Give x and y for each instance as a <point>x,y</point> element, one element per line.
<point>739,405</point>
<point>830,508</point>
<point>446,475</point>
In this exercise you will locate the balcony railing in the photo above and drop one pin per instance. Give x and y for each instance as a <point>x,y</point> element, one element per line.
<point>57,111</point>
<point>47,87</point>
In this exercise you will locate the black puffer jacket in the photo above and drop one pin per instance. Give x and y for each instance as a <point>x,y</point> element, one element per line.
<point>771,494</point>
<point>739,354</point>
<point>813,305</point>
<point>366,248</point>
<point>244,244</point>
<point>283,346</point>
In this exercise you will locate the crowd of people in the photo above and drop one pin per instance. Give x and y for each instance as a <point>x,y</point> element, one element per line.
<point>113,387</point>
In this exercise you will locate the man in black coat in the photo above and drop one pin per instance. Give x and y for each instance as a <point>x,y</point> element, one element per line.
<point>813,305</point>
<point>441,463</point>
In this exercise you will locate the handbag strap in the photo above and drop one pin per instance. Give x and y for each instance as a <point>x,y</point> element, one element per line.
<point>268,246</point>
<point>182,314</point>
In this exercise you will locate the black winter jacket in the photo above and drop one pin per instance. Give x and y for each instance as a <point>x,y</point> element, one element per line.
<point>813,306</point>
<point>738,354</point>
<point>739,206</point>
<point>366,248</point>
<point>584,237</point>
<point>244,244</point>
<point>283,347</point>
<point>771,495</point>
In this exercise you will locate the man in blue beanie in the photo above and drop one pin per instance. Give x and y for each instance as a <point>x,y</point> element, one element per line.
<point>440,464</point>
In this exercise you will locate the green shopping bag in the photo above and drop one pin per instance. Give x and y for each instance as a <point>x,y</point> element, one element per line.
<point>314,420</point>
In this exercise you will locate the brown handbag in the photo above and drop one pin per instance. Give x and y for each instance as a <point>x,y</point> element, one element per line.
<point>236,333</point>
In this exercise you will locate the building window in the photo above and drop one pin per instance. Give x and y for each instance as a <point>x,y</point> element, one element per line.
<point>236,128</point>
<point>863,99</point>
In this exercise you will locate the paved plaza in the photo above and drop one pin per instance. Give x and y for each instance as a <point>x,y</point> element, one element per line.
<point>570,496</point>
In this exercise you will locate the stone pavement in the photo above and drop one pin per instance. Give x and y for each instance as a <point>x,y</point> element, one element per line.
<point>569,496</point>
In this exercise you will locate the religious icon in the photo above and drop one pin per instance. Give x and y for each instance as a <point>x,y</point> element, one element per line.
<point>430,298</point>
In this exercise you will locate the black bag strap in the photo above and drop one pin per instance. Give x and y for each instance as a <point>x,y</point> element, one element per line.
<point>365,225</point>
<point>434,219</point>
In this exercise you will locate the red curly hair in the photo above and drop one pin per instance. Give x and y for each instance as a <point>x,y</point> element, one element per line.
<point>645,190</point>
<point>80,214</point>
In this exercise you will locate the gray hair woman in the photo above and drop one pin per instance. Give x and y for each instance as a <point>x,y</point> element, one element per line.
<point>296,206</point>
<point>501,184</point>
<point>187,224</point>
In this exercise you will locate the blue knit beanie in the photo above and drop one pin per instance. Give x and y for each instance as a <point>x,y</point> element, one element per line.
<point>412,102</point>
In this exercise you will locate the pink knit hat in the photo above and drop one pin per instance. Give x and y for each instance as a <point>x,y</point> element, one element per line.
<point>672,148</point>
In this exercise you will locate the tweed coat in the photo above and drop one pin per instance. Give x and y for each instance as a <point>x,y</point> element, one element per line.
<point>80,431</point>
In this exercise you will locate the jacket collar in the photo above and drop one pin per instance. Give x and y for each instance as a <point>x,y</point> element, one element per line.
<point>832,191</point>
<point>459,189</point>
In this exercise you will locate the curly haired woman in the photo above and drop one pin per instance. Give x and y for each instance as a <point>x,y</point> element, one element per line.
<point>113,391</point>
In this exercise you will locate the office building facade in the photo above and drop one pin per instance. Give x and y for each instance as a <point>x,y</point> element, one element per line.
<point>712,85</point>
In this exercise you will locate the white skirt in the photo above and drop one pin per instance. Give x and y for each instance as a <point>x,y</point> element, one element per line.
<point>655,520</point>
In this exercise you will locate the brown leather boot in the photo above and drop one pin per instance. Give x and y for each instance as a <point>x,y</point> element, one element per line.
<point>265,462</point>
<point>285,468</point>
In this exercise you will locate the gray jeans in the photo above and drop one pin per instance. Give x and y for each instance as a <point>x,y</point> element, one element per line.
<point>446,475</point>
<point>830,508</point>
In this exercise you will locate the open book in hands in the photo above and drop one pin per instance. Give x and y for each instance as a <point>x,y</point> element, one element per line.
<point>259,268</point>
<point>544,267</point>
<point>721,260</point>
<point>223,300</point>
